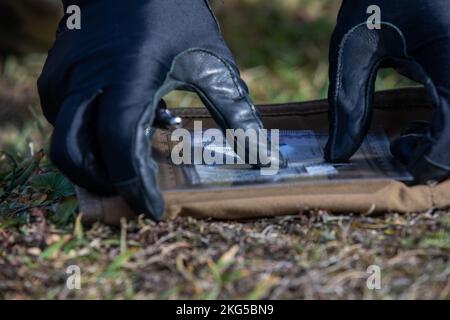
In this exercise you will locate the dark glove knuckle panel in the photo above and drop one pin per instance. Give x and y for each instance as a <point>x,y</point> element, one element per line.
<point>131,45</point>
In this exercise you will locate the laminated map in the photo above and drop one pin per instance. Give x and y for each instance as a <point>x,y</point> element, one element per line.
<point>304,153</point>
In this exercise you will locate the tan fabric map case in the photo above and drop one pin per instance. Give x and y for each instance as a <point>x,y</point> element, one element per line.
<point>393,110</point>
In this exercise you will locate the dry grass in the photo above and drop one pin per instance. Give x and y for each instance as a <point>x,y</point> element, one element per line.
<point>282,49</point>
<point>308,256</point>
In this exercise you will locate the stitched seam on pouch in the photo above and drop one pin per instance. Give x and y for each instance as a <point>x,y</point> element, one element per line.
<point>192,114</point>
<point>432,196</point>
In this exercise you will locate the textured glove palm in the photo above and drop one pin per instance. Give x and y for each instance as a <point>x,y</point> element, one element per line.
<point>414,38</point>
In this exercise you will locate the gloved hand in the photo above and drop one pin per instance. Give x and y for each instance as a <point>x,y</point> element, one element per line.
<point>414,39</point>
<point>101,86</point>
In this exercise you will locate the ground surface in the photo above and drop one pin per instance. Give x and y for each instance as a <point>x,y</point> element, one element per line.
<point>308,255</point>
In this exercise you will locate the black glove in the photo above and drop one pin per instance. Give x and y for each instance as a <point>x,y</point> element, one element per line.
<point>101,86</point>
<point>414,39</point>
